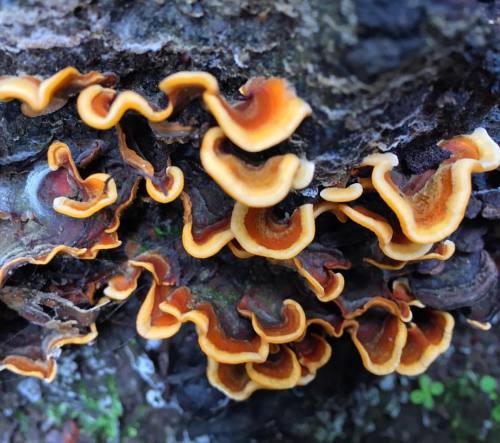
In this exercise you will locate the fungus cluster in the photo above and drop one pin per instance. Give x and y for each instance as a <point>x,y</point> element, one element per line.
<point>272,325</point>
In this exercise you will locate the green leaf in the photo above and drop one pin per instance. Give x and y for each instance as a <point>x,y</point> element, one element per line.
<point>437,388</point>
<point>132,432</point>
<point>428,402</point>
<point>488,384</point>
<point>425,382</point>
<point>495,413</point>
<point>417,397</point>
<point>159,231</point>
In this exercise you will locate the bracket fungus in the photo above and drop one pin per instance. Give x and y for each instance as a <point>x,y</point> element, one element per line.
<point>341,195</point>
<point>41,97</point>
<point>260,325</point>
<point>260,233</point>
<point>256,186</point>
<point>203,241</point>
<point>398,333</point>
<point>33,232</point>
<point>431,205</point>
<point>162,188</point>
<point>51,321</point>
<point>316,265</point>
<point>98,190</point>
<point>269,113</point>
<point>102,108</point>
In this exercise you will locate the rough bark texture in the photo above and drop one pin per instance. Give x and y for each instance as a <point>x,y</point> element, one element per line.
<point>379,75</point>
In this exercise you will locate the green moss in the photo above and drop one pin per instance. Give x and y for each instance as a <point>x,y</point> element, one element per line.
<point>98,417</point>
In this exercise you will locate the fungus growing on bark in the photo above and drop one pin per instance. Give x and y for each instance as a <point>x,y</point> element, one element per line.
<point>287,366</point>
<point>32,350</point>
<point>213,340</point>
<point>35,359</point>
<point>97,190</point>
<point>431,205</point>
<point>391,241</point>
<point>255,186</point>
<point>440,251</point>
<point>203,242</point>
<point>281,370</point>
<point>429,335</point>
<point>259,233</point>
<point>312,352</point>
<point>258,328</point>
<point>316,265</point>
<point>341,195</point>
<point>290,326</point>
<point>269,113</point>
<point>32,232</point>
<point>102,108</point>
<point>232,380</point>
<point>41,97</point>
<point>164,187</point>
<point>398,333</point>
<point>379,334</point>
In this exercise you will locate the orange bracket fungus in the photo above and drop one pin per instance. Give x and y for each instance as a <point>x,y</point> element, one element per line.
<point>379,335</point>
<point>259,232</point>
<point>43,97</point>
<point>32,350</point>
<point>102,108</point>
<point>269,114</point>
<point>267,310</point>
<point>340,195</point>
<point>431,205</point>
<point>98,190</point>
<point>33,232</point>
<point>203,242</point>
<point>398,333</point>
<point>316,265</point>
<point>162,188</point>
<point>256,186</point>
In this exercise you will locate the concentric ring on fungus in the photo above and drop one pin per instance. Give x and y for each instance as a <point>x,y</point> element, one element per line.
<point>270,113</point>
<point>256,186</point>
<point>258,232</point>
<point>431,207</point>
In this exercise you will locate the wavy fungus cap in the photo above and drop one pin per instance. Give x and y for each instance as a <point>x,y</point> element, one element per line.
<point>259,233</point>
<point>269,114</point>
<point>99,190</point>
<point>433,207</point>
<point>256,186</point>
<point>43,97</point>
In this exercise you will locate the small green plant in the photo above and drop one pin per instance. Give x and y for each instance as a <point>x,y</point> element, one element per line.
<point>167,231</point>
<point>488,385</point>
<point>428,390</point>
<point>98,418</point>
<point>102,419</point>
